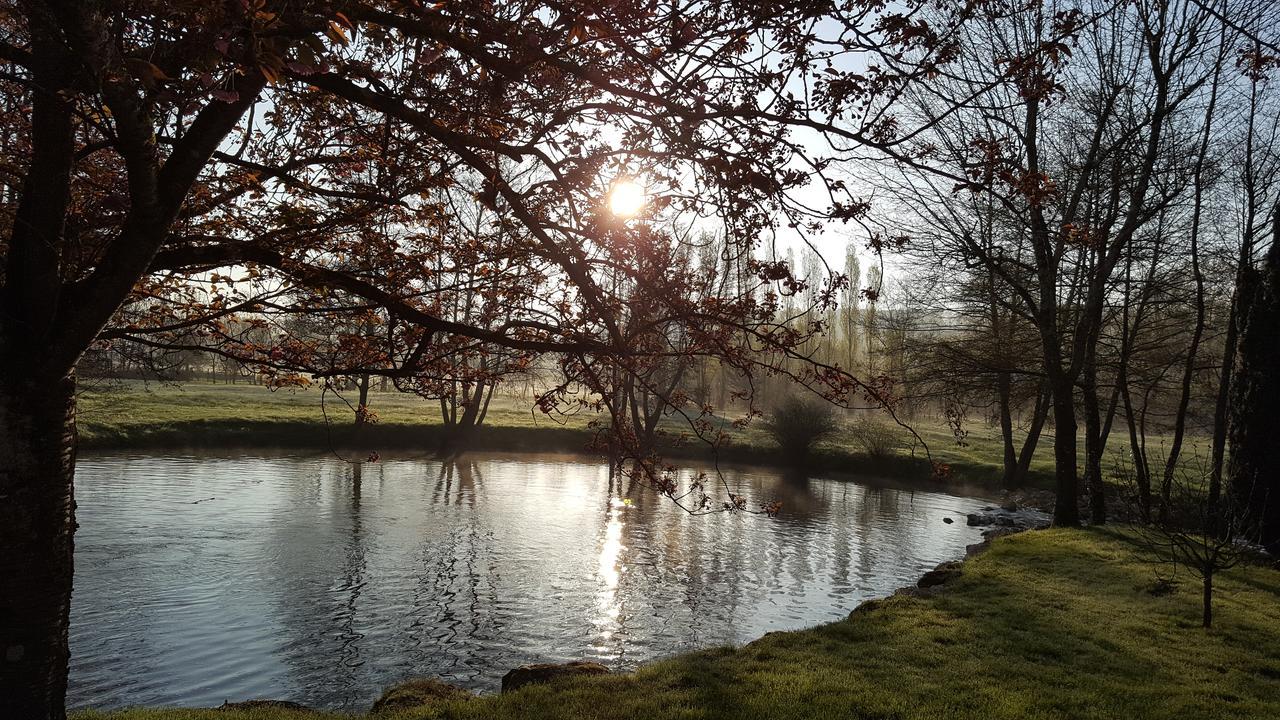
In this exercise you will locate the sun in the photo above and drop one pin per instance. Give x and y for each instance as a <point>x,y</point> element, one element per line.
<point>626,198</point>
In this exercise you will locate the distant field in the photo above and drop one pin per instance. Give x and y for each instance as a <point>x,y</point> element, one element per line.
<point>121,406</point>
<point>137,414</point>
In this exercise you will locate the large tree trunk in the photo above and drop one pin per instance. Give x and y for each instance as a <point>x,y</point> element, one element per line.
<point>1066,512</point>
<point>37,522</point>
<point>37,404</point>
<point>1255,422</point>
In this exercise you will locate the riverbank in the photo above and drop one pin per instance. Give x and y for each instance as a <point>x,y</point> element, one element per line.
<point>137,416</point>
<point>1045,624</point>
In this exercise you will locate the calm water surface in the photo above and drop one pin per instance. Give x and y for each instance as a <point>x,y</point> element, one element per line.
<point>203,579</point>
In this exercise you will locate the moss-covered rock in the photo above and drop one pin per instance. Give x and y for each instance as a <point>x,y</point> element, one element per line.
<point>546,672</point>
<point>867,606</point>
<point>418,692</point>
<point>941,575</point>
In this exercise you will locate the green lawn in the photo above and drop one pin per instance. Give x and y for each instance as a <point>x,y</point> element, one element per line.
<point>122,408</point>
<point>1048,624</point>
<point>152,415</point>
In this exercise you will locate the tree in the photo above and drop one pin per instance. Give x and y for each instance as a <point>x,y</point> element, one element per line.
<point>1074,134</point>
<point>1249,387</point>
<point>978,355</point>
<point>1196,533</point>
<point>283,153</point>
<point>1254,425</point>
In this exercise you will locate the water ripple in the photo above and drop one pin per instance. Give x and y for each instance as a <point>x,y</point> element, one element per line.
<point>203,579</point>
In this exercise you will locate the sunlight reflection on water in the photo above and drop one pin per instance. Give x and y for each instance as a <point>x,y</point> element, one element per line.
<point>203,579</point>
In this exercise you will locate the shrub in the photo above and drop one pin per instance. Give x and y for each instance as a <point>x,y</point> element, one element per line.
<point>877,439</point>
<point>798,423</point>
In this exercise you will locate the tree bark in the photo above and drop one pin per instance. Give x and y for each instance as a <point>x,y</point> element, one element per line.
<point>1038,416</point>
<point>1094,444</point>
<point>1141,473</point>
<point>1197,275</point>
<point>1207,618</point>
<point>1221,408</point>
<point>1255,424</point>
<point>460,431</point>
<point>1010,478</point>
<point>362,403</point>
<point>37,524</point>
<point>1066,512</point>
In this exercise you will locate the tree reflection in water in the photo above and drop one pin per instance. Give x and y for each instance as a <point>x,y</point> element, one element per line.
<point>322,581</point>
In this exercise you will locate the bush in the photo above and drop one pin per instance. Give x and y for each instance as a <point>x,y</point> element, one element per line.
<point>798,423</point>
<point>876,438</point>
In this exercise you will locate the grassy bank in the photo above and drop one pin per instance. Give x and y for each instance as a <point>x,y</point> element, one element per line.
<point>134,415</point>
<point>1049,624</point>
<point>194,415</point>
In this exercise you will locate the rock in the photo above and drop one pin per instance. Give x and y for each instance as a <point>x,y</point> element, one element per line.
<point>418,692</point>
<point>753,642</point>
<point>998,532</point>
<point>944,573</point>
<point>1009,506</point>
<point>1022,518</point>
<point>987,536</point>
<point>866,606</point>
<point>546,672</point>
<point>265,704</point>
<point>947,520</point>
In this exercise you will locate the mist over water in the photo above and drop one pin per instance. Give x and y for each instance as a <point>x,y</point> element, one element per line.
<point>202,579</point>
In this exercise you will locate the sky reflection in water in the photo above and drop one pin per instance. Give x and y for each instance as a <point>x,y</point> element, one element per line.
<point>202,579</point>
